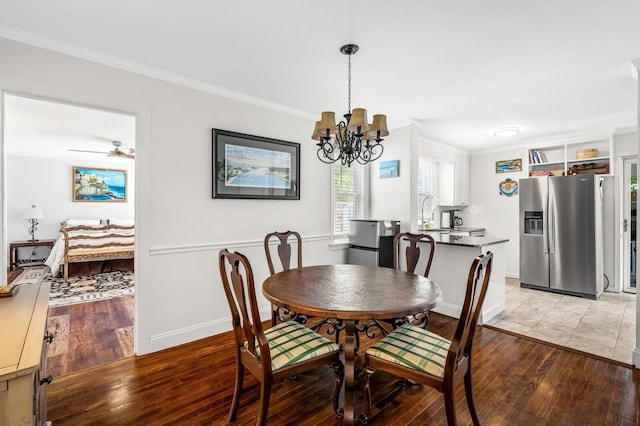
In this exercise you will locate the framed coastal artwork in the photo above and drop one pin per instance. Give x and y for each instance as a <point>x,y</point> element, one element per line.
<point>101,185</point>
<point>506,166</point>
<point>254,167</point>
<point>389,169</point>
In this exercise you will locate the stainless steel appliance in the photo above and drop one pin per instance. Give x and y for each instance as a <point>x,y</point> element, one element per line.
<point>371,242</point>
<point>451,219</point>
<point>561,239</point>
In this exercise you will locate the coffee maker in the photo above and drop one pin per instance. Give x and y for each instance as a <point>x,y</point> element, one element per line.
<point>451,218</point>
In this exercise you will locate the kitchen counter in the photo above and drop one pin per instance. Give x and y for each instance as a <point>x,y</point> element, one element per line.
<point>456,229</point>
<point>450,269</point>
<point>461,240</point>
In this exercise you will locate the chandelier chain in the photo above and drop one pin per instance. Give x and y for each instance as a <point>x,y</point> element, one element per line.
<point>349,97</point>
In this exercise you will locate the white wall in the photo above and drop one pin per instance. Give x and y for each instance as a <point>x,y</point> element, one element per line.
<point>179,227</point>
<point>397,198</point>
<point>391,197</point>
<point>47,183</point>
<point>497,213</point>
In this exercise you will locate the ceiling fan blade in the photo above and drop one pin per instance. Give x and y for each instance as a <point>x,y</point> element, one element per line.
<point>124,153</point>
<point>86,150</point>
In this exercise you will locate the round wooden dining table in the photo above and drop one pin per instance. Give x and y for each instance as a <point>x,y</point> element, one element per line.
<point>350,294</point>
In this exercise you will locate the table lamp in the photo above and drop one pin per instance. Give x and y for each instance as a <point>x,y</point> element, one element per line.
<point>33,213</point>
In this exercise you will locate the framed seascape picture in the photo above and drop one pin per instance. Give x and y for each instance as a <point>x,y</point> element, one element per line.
<point>388,169</point>
<point>247,166</point>
<point>105,185</point>
<point>506,166</point>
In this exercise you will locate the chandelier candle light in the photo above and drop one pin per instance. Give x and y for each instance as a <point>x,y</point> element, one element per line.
<point>353,139</point>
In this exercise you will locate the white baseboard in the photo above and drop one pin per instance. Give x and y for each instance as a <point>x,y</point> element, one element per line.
<point>451,310</point>
<point>448,309</point>
<point>488,314</point>
<point>195,332</point>
<point>636,358</point>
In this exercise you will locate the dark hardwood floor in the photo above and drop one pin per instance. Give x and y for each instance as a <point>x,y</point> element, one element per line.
<point>517,382</point>
<point>89,334</point>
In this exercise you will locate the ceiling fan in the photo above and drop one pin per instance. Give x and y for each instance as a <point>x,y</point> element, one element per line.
<point>117,151</point>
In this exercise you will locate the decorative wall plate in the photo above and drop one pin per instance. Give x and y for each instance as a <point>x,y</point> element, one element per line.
<point>508,187</point>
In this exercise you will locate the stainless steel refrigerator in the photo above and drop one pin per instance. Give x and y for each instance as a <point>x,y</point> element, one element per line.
<point>561,237</point>
<point>371,242</point>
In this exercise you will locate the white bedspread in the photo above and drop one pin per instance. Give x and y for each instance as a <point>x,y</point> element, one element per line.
<point>56,257</point>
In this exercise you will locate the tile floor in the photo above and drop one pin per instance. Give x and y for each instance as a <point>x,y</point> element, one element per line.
<point>604,327</point>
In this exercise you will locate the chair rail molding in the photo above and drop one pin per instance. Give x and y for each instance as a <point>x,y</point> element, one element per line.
<point>189,248</point>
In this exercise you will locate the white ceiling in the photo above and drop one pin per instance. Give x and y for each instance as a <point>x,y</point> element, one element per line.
<point>50,129</point>
<point>460,69</point>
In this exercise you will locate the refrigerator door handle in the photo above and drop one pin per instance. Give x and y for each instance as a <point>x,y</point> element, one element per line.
<point>551,225</point>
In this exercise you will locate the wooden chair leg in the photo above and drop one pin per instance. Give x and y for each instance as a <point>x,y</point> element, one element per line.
<point>450,404</point>
<point>274,316</point>
<point>468,389</point>
<point>265,395</point>
<point>237,391</point>
<point>365,375</point>
<point>339,370</point>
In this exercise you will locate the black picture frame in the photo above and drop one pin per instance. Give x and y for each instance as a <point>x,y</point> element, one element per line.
<point>254,167</point>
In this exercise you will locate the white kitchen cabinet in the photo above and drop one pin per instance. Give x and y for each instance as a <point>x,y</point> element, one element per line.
<point>461,180</point>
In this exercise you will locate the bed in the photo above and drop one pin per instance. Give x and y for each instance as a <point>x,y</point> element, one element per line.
<point>89,241</point>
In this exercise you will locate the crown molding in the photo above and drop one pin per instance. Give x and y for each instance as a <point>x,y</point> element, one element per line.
<point>137,68</point>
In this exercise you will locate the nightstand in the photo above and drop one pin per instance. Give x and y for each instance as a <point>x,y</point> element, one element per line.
<point>13,249</point>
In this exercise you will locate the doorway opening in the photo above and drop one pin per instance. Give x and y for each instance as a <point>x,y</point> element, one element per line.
<point>630,188</point>
<point>45,143</point>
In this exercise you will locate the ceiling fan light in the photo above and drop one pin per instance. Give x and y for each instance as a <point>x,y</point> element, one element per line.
<point>505,132</point>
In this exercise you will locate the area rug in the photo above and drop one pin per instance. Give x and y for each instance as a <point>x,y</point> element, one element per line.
<point>32,275</point>
<point>90,288</point>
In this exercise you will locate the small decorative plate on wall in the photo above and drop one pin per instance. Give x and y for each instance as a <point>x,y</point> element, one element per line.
<point>508,187</point>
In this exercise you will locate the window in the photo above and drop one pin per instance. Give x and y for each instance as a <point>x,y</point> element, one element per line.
<point>349,197</point>
<point>427,184</point>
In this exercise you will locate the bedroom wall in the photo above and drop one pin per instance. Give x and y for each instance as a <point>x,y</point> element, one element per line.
<point>180,228</point>
<point>47,183</point>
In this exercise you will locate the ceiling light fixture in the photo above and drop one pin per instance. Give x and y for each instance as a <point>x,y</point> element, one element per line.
<point>352,139</point>
<point>505,132</point>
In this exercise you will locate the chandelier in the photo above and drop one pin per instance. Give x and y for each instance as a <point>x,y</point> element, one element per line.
<point>352,139</point>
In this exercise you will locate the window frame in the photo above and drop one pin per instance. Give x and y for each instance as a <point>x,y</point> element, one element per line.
<point>363,202</point>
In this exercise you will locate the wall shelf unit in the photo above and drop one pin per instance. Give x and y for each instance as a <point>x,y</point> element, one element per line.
<point>567,158</point>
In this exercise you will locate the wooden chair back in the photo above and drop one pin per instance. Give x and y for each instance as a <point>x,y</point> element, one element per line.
<point>304,349</point>
<point>239,287</point>
<point>477,284</point>
<point>283,249</point>
<point>412,252</point>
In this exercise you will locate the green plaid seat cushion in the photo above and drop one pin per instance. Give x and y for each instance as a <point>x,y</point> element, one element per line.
<point>291,343</point>
<point>413,347</point>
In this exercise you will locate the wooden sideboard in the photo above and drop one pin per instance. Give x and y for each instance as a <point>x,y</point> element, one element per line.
<point>24,341</point>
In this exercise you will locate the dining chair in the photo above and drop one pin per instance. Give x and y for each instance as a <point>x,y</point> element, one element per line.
<point>412,256</point>
<point>420,356</point>
<point>280,352</point>
<point>284,255</point>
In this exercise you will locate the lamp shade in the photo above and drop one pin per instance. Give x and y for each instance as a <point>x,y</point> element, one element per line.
<point>358,121</point>
<point>33,212</point>
<point>327,122</point>
<point>379,125</point>
<point>317,134</point>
